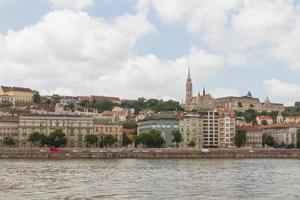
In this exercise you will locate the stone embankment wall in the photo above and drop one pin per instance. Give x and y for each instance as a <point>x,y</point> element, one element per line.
<point>36,153</point>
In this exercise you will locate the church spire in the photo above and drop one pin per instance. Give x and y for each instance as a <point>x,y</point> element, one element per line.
<point>204,91</point>
<point>189,89</point>
<point>189,74</point>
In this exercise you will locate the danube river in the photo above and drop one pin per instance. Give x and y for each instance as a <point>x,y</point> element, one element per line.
<point>150,179</point>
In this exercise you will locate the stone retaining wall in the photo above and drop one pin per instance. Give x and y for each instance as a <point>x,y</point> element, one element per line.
<point>33,153</point>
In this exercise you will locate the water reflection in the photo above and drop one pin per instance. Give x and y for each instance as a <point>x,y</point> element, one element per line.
<point>150,179</point>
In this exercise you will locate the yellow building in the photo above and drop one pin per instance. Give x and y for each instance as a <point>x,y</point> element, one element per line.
<point>9,128</point>
<point>191,130</point>
<point>21,95</point>
<point>106,126</point>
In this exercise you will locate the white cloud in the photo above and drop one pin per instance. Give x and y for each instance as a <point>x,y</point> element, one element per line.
<point>225,92</point>
<point>68,48</point>
<point>243,31</point>
<point>72,4</point>
<point>69,52</point>
<point>280,91</point>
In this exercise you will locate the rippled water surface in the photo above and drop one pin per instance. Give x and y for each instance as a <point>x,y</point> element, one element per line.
<point>150,179</point>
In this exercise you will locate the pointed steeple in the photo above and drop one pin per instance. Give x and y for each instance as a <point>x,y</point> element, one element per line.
<point>189,74</point>
<point>203,91</point>
<point>189,89</point>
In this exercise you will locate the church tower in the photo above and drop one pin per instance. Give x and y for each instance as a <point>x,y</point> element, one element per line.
<point>189,89</point>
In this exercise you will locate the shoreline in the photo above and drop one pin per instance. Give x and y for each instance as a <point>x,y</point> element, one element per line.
<point>136,153</point>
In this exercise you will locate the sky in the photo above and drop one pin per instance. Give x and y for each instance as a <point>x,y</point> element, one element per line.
<point>143,48</point>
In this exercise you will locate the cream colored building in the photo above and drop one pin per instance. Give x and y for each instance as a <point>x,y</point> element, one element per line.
<point>7,98</point>
<point>9,128</point>
<point>267,119</point>
<point>74,126</point>
<point>253,136</point>
<point>282,133</point>
<point>106,126</point>
<point>21,95</point>
<point>226,127</point>
<point>240,104</point>
<point>292,119</point>
<point>190,126</point>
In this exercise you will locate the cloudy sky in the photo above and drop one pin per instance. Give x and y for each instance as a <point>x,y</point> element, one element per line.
<point>139,48</point>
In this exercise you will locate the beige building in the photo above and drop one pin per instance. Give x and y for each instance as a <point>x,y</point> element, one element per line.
<point>21,95</point>
<point>9,128</point>
<point>210,129</point>
<point>244,103</point>
<point>292,119</point>
<point>282,133</point>
<point>240,104</point>
<point>253,136</point>
<point>226,127</point>
<point>191,130</point>
<point>264,119</point>
<point>269,106</point>
<point>106,126</point>
<point>7,98</point>
<point>74,126</point>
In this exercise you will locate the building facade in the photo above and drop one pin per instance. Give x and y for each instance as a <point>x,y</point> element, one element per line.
<point>4,98</point>
<point>210,129</point>
<point>9,128</point>
<point>191,130</point>
<point>282,133</point>
<point>20,95</point>
<point>163,123</point>
<point>239,104</point>
<point>226,127</point>
<point>253,136</point>
<point>106,126</point>
<point>74,127</point>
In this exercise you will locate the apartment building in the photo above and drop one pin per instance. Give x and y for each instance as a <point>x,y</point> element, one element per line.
<point>74,126</point>
<point>191,130</point>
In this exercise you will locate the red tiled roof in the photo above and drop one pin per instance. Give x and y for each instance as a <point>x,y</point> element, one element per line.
<point>264,117</point>
<point>9,119</point>
<point>249,128</point>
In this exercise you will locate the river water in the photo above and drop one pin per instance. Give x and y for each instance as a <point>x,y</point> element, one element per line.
<point>150,179</point>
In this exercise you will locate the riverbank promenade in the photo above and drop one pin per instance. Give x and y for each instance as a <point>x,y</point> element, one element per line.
<point>69,153</point>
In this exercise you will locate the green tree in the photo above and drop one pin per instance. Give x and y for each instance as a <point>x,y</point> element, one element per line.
<point>8,141</point>
<point>85,104</point>
<point>126,140</point>
<point>36,97</point>
<point>240,138</point>
<point>109,140</point>
<point>264,122</point>
<point>268,140</point>
<point>298,138</point>
<point>104,105</point>
<point>240,104</point>
<point>57,138</point>
<point>192,144</point>
<point>90,139</point>
<point>6,104</point>
<point>55,99</point>
<point>152,139</point>
<point>45,140</point>
<point>70,106</point>
<point>35,138</point>
<point>177,137</point>
<point>130,124</point>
